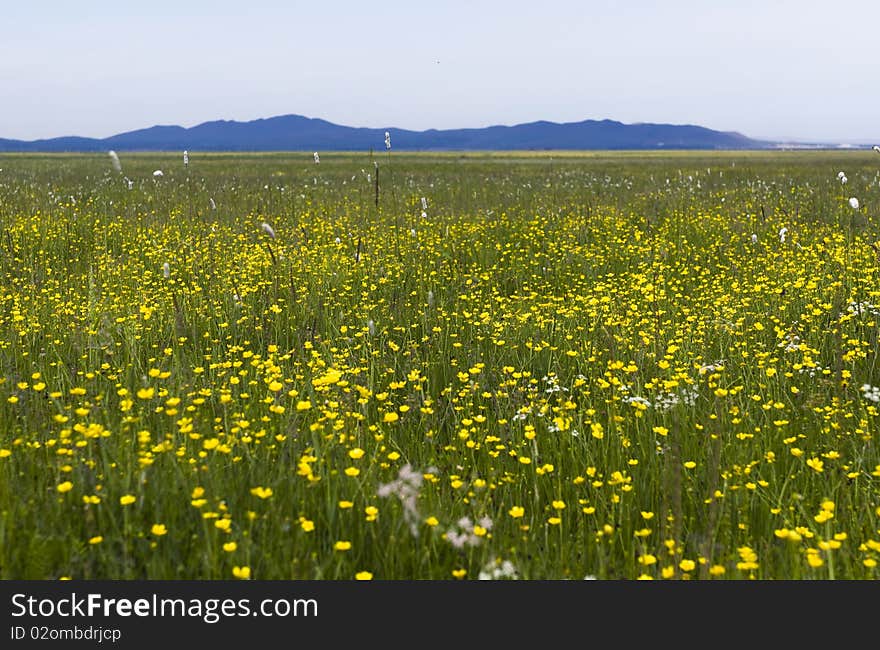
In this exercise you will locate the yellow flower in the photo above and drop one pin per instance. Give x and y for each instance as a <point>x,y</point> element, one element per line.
<point>332,376</point>
<point>223,524</point>
<point>262,492</point>
<point>554,521</point>
<point>127,499</point>
<point>342,546</point>
<point>391,416</point>
<point>307,525</point>
<point>687,565</point>
<point>352,471</point>
<point>813,559</point>
<point>516,512</point>
<point>97,539</point>
<point>458,574</point>
<point>345,505</point>
<point>356,453</point>
<point>229,547</point>
<point>146,393</point>
<point>559,505</point>
<point>431,521</point>
<point>241,572</point>
<point>158,530</point>
<point>303,405</point>
<point>363,575</point>
<point>823,516</point>
<point>67,486</point>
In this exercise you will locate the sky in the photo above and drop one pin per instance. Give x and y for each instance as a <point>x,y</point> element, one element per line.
<point>799,70</point>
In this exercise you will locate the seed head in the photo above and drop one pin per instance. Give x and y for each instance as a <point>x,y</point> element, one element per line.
<point>114,160</point>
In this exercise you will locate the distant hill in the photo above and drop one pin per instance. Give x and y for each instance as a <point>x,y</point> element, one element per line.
<point>298,133</point>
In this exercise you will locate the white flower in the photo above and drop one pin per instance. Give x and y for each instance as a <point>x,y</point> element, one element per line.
<point>841,175</point>
<point>268,230</point>
<point>870,392</point>
<point>843,180</point>
<point>387,140</point>
<point>317,158</point>
<point>754,238</point>
<point>158,174</point>
<point>854,203</point>
<point>455,538</point>
<point>424,215</point>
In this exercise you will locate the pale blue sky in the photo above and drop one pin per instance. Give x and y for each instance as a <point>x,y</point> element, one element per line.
<point>799,69</point>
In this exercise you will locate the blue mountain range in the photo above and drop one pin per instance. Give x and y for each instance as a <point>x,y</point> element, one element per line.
<point>298,133</point>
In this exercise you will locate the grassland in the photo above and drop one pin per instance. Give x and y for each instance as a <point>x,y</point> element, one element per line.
<point>534,365</point>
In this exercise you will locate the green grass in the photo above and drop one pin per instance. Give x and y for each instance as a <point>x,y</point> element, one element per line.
<point>579,363</point>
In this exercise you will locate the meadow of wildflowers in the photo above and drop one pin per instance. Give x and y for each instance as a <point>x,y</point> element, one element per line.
<point>444,366</point>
